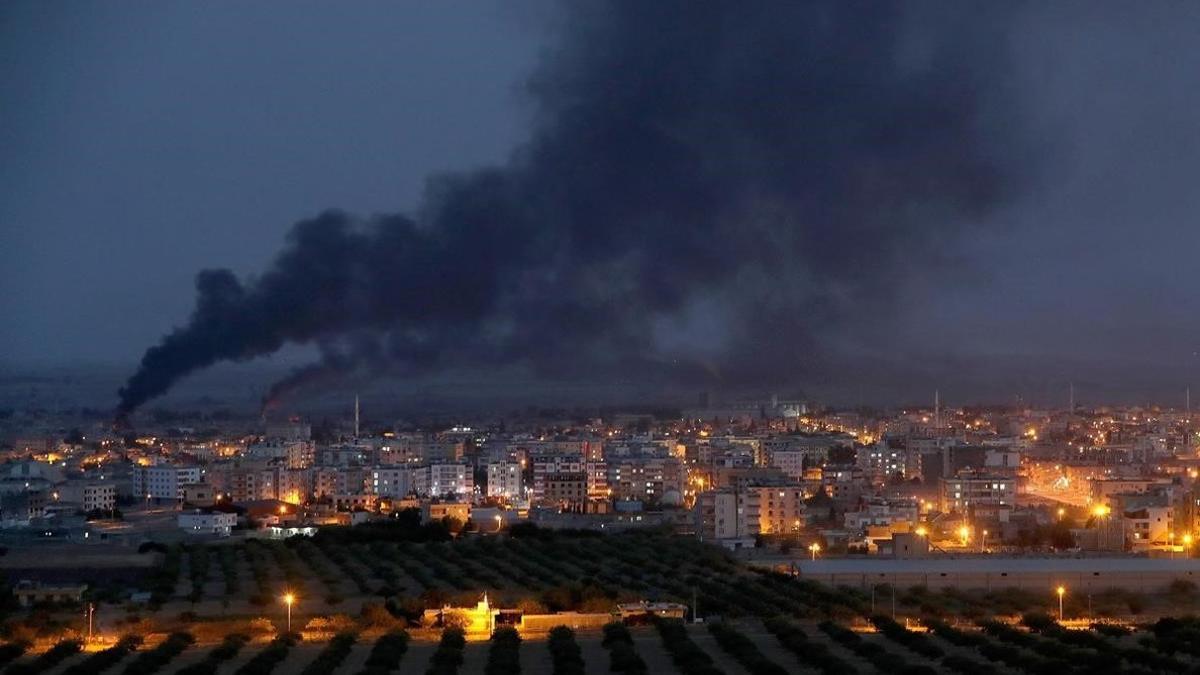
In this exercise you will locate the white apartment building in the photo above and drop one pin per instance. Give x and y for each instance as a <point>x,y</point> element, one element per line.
<point>212,523</point>
<point>164,481</point>
<point>99,497</point>
<point>438,480</point>
<point>390,481</point>
<point>504,480</point>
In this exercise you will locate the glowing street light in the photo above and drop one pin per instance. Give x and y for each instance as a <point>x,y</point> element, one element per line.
<point>1061,513</point>
<point>964,533</point>
<point>1101,512</point>
<point>1061,591</point>
<point>921,531</point>
<point>814,548</point>
<point>498,522</point>
<point>289,599</point>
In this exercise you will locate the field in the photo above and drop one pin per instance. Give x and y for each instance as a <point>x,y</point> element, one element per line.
<point>218,612</point>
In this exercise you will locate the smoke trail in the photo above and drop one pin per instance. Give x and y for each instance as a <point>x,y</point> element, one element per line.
<point>706,183</point>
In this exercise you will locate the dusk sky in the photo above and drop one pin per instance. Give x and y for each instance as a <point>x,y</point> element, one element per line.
<point>1046,214</point>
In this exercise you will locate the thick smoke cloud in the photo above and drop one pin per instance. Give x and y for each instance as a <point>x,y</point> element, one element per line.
<point>709,190</point>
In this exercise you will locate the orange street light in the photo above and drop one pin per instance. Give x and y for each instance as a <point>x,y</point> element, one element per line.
<point>1061,591</point>
<point>814,548</point>
<point>289,599</point>
<point>921,531</point>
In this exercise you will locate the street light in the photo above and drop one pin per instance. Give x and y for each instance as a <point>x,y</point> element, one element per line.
<point>982,541</point>
<point>498,521</point>
<point>814,548</point>
<point>964,533</point>
<point>1061,591</point>
<point>1101,512</point>
<point>289,599</point>
<point>1061,512</point>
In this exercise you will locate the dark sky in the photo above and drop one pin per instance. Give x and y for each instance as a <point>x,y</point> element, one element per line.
<point>143,141</point>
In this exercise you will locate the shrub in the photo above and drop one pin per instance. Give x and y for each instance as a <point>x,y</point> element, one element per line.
<point>903,636</point>
<point>265,661</point>
<point>11,651</point>
<point>51,658</point>
<point>504,656</point>
<point>105,659</point>
<point>815,654</point>
<point>228,649</point>
<point>623,656</point>
<point>449,653</point>
<point>386,654</point>
<point>744,650</point>
<point>332,656</point>
<point>153,660</point>
<point>565,652</point>
<point>687,655</point>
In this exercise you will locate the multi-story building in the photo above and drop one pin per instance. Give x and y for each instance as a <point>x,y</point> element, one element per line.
<point>391,481</point>
<point>504,480</point>
<point>984,495</point>
<point>293,454</point>
<point>552,464</point>
<point>567,491</point>
<point>440,480</point>
<point>164,481</point>
<point>201,521</point>
<point>724,516</point>
<point>99,497</point>
<point>647,479</point>
<point>780,509</point>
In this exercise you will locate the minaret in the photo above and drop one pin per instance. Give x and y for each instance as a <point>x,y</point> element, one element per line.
<point>937,409</point>
<point>356,415</point>
<point>1071,410</point>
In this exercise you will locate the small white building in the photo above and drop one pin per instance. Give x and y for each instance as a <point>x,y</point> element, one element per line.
<point>199,521</point>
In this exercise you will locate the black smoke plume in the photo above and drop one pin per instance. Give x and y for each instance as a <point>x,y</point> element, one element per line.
<point>709,188</point>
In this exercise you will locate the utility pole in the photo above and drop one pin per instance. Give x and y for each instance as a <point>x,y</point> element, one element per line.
<point>356,416</point>
<point>91,612</point>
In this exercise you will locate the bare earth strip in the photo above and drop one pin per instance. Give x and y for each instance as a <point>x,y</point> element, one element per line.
<point>860,665</point>
<point>188,657</point>
<point>357,658</point>
<point>474,657</point>
<point>722,660</point>
<point>595,656</point>
<point>649,646</point>
<point>66,664</point>
<point>769,645</point>
<point>299,656</point>
<point>416,660</point>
